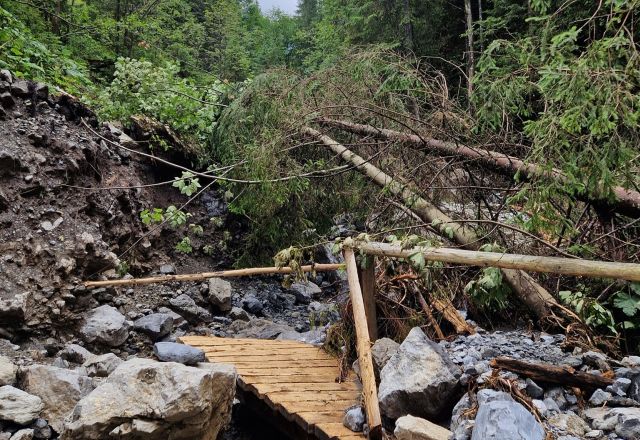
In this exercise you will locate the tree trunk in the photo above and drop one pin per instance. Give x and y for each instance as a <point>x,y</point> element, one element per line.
<point>470,56</point>
<point>531,293</point>
<point>627,201</point>
<point>407,25</point>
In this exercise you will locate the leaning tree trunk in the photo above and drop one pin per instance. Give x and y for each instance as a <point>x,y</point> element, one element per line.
<point>536,297</point>
<point>627,201</point>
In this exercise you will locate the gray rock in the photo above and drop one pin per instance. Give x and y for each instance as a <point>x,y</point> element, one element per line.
<point>5,75</point>
<point>354,418</point>
<point>181,353</point>
<point>58,388</point>
<point>313,337</point>
<point>188,308</point>
<point>419,379</point>
<point>41,429</point>
<point>20,88</point>
<point>620,386</point>
<point>505,419</point>
<point>155,325</point>
<point>599,397</point>
<point>167,269</point>
<point>596,360</point>
<point>557,395</point>
<point>631,361</point>
<point>322,313</point>
<point>487,395</point>
<point>178,320</point>
<point>42,91</point>
<point>257,328</point>
<point>105,325</point>
<point>594,434</point>
<point>23,434</point>
<point>102,365</point>
<point>7,371</point>
<point>625,421</point>
<point>459,412</point>
<point>569,423</point>
<point>464,430</point>
<point>414,428</point>
<point>150,400</point>
<point>305,292</point>
<point>220,294</point>
<point>252,304</point>
<point>75,353</point>
<point>15,310</point>
<point>19,406</point>
<point>382,350</point>
<point>238,313</point>
<point>534,390</point>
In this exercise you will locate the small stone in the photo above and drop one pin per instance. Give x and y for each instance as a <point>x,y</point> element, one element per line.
<point>534,390</point>
<point>75,353</point>
<point>155,325</point>
<point>252,304</point>
<point>354,419</point>
<point>597,360</point>
<point>619,386</point>
<point>174,352</point>
<point>5,75</point>
<point>238,313</point>
<point>102,365</point>
<point>167,269</point>
<point>505,419</point>
<point>20,89</point>
<point>305,292</point>
<point>23,434</point>
<point>599,397</point>
<point>631,361</point>
<point>220,294</point>
<point>187,307</point>
<point>42,430</point>
<point>105,325</point>
<point>414,428</point>
<point>569,423</point>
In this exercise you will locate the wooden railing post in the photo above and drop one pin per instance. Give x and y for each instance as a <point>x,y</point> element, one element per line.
<point>367,277</point>
<point>363,345</point>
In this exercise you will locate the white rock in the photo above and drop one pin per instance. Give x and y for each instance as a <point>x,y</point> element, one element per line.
<point>220,294</point>
<point>18,406</point>
<point>415,428</point>
<point>7,371</point>
<point>105,325</point>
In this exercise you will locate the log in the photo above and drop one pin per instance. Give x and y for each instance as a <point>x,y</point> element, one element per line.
<point>430,318</point>
<point>363,345</point>
<point>207,275</point>
<point>530,263</point>
<point>561,374</point>
<point>452,315</point>
<point>627,201</point>
<point>536,297</point>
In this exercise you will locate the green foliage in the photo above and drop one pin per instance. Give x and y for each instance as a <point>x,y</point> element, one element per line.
<point>188,184</point>
<point>154,216</point>
<point>489,291</point>
<point>26,56</point>
<point>184,246</point>
<point>589,309</point>
<point>176,217</point>
<point>140,87</point>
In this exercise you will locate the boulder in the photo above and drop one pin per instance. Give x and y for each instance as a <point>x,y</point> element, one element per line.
<point>502,419</point>
<point>155,325</point>
<point>354,419</point>
<point>156,401</point>
<point>382,350</point>
<point>258,328</point>
<point>187,307</point>
<point>19,406</point>
<point>415,428</point>
<point>625,421</point>
<point>220,294</point>
<point>181,353</point>
<point>102,365</point>
<point>58,388</point>
<point>75,353</point>
<point>419,379</point>
<point>7,371</point>
<point>105,325</point>
<point>23,434</point>
<point>238,313</point>
<point>305,292</point>
<point>20,88</point>
<point>14,311</point>
<point>313,337</point>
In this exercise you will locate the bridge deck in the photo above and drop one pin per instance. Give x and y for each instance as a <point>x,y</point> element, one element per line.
<point>297,380</point>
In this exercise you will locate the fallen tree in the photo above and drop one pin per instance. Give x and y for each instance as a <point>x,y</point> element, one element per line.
<point>536,297</point>
<point>627,201</point>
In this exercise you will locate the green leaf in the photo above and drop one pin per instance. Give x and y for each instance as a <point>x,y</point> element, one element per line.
<point>628,303</point>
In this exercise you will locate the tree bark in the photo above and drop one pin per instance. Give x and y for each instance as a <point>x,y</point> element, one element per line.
<point>531,293</point>
<point>627,201</point>
<point>562,374</point>
<point>470,55</point>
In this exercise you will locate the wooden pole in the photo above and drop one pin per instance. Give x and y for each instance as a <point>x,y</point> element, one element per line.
<point>206,275</point>
<point>363,346</point>
<point>564,266</point>
<point>367,277</point>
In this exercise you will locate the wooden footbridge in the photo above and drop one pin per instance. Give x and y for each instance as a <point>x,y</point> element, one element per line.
<point>301,383</point>
<point>295,381</point>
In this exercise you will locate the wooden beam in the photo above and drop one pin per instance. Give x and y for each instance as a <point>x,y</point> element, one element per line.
<point>367,277</point>
<point>530,263</point>
<point>363,345</point>
<point>206,275</point>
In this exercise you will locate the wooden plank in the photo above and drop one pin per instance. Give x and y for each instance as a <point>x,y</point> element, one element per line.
<point>203,341</point>
<point>293,371</point>
<point>367,277</point>
<point>260,349</point>
<point>277,397</point>
<point>331,430</point>
<point>283,363</point>
<point>309,378</point>
<point>363,345</point>
<point>311,387</point>
<point>319,406</point>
